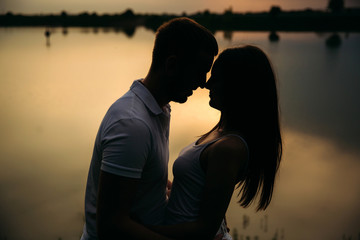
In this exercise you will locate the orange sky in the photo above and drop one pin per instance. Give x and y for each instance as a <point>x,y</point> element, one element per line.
<point>158,6</point>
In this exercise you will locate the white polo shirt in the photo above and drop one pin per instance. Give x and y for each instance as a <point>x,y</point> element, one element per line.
<point>132,141</point>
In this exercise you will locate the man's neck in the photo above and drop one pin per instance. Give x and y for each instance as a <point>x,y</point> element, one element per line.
<point>156,90</point>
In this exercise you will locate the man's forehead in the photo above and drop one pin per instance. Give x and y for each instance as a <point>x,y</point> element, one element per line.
<point>204,58</point>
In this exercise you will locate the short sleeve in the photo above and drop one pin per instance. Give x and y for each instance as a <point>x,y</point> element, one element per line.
<point>126,147</point>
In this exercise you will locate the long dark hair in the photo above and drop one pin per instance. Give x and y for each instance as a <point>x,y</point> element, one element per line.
<point>251,107</point>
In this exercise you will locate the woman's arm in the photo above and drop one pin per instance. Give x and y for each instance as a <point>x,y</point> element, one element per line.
<point>223,160</point>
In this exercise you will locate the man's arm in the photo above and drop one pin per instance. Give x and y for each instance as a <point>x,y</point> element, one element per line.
<point>126,147</point>
<point>115,198</point>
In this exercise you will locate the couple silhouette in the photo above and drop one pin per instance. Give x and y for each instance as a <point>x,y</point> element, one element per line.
<point>128,194</point>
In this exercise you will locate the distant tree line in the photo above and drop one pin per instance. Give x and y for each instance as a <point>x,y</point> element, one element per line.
<point>336,18</point>
<point>336,5</point>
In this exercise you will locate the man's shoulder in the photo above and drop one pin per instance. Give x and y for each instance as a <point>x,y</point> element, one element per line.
<point>128,106</point>
<point>129,111</point>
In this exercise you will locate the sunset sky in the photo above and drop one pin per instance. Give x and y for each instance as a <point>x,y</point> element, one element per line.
<point>158,6</point>
<point>54,92</point>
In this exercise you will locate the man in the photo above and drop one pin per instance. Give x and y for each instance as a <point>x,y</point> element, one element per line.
<point>126,186</point>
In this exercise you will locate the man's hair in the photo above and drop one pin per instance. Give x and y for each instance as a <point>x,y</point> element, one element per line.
<point>182,37</point>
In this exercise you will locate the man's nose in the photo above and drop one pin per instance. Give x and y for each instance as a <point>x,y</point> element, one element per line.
<point>202,82</point>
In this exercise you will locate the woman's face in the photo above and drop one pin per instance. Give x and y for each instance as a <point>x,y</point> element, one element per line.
<point>216,86</point>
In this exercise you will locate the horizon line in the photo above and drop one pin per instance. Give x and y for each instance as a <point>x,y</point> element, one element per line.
<point>325,9</point>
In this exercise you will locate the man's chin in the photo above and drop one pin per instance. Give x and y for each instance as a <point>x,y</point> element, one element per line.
<point>213,105</point>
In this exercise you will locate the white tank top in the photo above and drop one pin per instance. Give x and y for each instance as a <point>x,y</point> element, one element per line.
<point>188,184</point>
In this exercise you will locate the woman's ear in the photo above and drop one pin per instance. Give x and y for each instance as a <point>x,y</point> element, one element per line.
<point>171,65</point>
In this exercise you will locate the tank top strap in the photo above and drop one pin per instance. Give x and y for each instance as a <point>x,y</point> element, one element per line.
<point>205,145</point>
<point>217,139</point>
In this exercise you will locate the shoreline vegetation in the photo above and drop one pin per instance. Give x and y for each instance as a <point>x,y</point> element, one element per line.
<point>348,20</point>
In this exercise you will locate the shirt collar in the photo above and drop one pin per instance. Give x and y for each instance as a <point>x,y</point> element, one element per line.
<point>147,98</point>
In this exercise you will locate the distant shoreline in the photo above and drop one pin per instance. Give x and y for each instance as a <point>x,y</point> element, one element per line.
<point>274,20</point>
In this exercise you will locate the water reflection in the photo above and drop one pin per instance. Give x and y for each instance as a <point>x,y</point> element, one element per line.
<point>273,36</point>
<point>47,36</point>
<point>64,31</point>
<point>95,30</point>
<point>228,35</point>
<point>309,178</point>
<point>333,41</point>
<point>320,92</point>
<point>51,104</point>
<point>128,31</point>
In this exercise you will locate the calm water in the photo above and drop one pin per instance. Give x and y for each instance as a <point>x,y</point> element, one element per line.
<point>54,94</point>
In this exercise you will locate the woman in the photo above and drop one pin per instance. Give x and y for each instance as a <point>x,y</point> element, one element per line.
<point>243,149</point>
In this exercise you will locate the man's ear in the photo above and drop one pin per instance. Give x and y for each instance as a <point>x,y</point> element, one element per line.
<point>171,65</point>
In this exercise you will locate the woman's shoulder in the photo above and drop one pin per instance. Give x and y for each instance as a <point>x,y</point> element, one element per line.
<point>229,155</point>
<point>229,147</point>
<point>231,142</point>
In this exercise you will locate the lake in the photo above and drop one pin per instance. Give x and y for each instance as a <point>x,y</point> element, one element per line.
<point>54,93</point>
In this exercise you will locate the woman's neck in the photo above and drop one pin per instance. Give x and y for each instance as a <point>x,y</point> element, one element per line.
<point>225,126</point>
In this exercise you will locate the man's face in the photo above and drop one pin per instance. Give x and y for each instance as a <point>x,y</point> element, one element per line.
<point>191,75</point>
